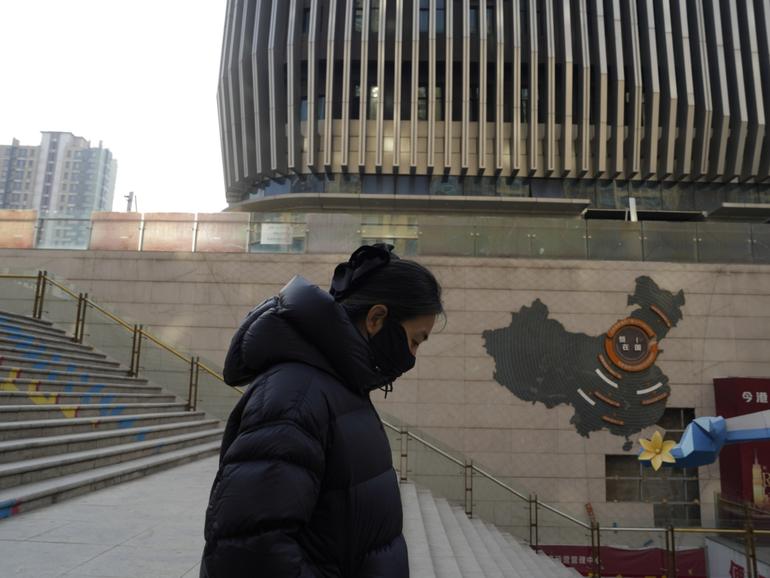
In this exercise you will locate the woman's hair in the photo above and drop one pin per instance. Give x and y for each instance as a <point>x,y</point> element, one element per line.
<point>406,288</point>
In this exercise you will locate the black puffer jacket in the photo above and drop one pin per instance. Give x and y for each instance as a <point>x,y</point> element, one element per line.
<point>306,485</point>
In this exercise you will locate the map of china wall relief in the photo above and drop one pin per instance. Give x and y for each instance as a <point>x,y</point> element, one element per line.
<point>611,380</point>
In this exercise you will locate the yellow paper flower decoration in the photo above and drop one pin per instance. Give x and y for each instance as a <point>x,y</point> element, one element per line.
<point>657,451</point>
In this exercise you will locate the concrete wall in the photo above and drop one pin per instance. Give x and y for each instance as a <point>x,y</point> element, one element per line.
<point>196,301</point>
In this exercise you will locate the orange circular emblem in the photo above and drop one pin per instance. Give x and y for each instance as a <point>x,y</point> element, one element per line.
<point>631,344</point>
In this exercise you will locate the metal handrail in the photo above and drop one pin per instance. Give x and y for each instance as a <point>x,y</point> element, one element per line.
<point>44,278</point>
<point>483,473</point>
<point>60,286</point>
<point>212,372</point>
<point>168,348</point>
<point>111,316</point>
<point>426,443</point>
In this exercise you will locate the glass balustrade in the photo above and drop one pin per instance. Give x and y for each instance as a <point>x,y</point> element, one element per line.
<point>512,236</point>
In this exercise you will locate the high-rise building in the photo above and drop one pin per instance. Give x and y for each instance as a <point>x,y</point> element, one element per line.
<point>665,102</point>
<point>64,178</point>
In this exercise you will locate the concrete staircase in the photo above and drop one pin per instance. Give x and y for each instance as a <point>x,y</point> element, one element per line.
<point>444,543</point>
<point>72,421</point>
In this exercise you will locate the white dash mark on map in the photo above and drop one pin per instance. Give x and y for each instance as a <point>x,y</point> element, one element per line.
<point>606,379</point>
<point>585,397</point>
<point>649,389</point>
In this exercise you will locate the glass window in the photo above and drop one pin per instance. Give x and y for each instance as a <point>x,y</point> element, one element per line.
<point>374,102</point>
<point>422,103</point>
<point>446,185</point>
<point>473,19</point>
<point>512,187</point>
<point>440,16</point>
<point>674,492</point>
<point>307,184</point>
<point>356,99</point>
<point>303,108</point>
<point>480,186</point>
<point>413,185</point>
<point>424,16</point>
<point>374,17</point>
<point>378,184</point>
<point>549,188</point>
<point>358,18</point>
<point>347,183</point>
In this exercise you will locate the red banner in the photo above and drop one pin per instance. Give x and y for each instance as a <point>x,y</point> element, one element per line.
<point>744,468</point>
<point>627,563</point>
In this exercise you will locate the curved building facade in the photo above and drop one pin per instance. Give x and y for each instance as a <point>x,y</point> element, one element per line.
<point>493,98</point>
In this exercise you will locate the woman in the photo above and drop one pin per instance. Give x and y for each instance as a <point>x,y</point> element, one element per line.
<point>306,486</point>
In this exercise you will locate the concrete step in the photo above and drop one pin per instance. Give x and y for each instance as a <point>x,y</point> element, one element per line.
<point>27,449</point>
<point>39,469</point>
<point>463,553</point>
<point>559,569</point>
<point>55,427</point>
<point>25,349</point>
<point>74,348</point>
<point>22,384</point>
<point>420,561</point>
<point>496,553</point>
<point>14,413</point>
<point>9,372</point>
<point>19,335</point>
<point>9,317</point>
<point>28,497</point>
<point>521,556</point>
<point>33,330</point>
<point>55,363</point>
<point>83,398</point>
<point>483,556</point>
<point>440,550</point>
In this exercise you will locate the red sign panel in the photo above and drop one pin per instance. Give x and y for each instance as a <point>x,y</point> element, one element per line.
<point>627,563</point>
<point>744,468</point>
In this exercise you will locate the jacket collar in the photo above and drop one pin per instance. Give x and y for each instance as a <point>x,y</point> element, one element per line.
<point>303,323</point>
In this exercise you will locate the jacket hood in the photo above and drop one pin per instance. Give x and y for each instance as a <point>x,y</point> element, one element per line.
<point>303,323</point>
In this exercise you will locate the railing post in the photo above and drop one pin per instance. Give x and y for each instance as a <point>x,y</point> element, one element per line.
<point>192,393</point>
<point>596,548</point>
<point>534,530</point>
<point>80,318</point>
<point>751,551</point>
<point>469,488</point>
<point>404,453</point>
<point>36,308</point>
<point>136,351</point>
<point>42,279</point>
<point>77,318</point>
<point>671,570</point>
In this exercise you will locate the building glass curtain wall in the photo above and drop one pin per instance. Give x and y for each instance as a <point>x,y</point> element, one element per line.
<point>665,102</point>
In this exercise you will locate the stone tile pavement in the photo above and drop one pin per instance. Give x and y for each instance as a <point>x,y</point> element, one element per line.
<point>147,528</point>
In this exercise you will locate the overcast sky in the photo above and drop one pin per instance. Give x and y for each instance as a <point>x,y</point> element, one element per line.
<point>139,75</point>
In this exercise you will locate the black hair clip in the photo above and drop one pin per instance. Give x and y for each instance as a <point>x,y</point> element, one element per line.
<point>364,261</point>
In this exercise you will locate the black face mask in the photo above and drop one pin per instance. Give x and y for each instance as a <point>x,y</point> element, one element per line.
<point>390,346</point>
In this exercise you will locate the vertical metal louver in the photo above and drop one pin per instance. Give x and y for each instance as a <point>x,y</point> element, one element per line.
<point>580,89</point>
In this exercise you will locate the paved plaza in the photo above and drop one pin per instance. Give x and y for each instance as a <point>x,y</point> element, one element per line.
<point>147,528</point>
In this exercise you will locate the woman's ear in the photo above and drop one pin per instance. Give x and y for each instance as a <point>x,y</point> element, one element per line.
<point>375,319</point>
